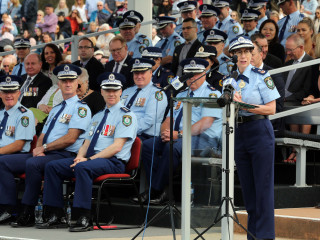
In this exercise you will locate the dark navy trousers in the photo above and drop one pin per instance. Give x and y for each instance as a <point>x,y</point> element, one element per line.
<point>84,172</point>
<point>254,156</point>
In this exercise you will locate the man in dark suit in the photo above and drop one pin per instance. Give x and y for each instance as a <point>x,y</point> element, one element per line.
<point>89,62</point>
<point>278,80</point>
<point>298,82</point>
<point>29,11</point>
<point>187,49</point>
<point>121,59</point>
<point>35,84</point>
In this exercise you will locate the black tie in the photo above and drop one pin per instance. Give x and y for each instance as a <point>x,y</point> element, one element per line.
<point>219,25</point>
<point>20,70</point>
<point>117,68</point>
<point>283,29</point>
<point>3,124</point>
<point>133,98</point>
<point>164,44</point>
<point>90,151</point>
<point>178,120</point>
<point>53,121</point>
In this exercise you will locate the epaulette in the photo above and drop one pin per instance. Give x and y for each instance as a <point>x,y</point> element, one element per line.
<point>142,36</point>
<point>210,87</point>
<point>22,109</point>
<point>156,86</point>
<point>125,109</point>
<point>225,77</point>
<point>258,70</point>
<point>17,64</point>
<point>177,37</point>
<point>233,21</point>
<point>167,70</point>
<point>81,101</point>
<point>301,15</point>
<point>224,58</point>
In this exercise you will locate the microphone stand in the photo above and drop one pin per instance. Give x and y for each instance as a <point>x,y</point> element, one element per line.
<point>170,206</point>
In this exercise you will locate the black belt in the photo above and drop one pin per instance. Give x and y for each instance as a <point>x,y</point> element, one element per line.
<point>244,119</point>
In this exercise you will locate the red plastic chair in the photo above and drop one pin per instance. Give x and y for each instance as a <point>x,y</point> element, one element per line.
<point>127,178</point>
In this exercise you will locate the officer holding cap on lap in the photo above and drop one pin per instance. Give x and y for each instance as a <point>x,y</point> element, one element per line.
<point>61,137</point>
<point>17,128</point>
<point>106,150</point>
<point>205,130</point>
<point>145,99</point>
<point>254,140</point>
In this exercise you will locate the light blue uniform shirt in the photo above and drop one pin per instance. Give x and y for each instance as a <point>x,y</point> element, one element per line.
<point>260,89</point>
<point>178,28</point>
<point>76,114</point>
<point>293,21</point>
<point>249,34</point>
<point>20,126</point>
<point>310,6</point>
<point>174,40</point>
<point>120,123</point>
<point>260,21</point>
<point>145,107</point>
<point>205,90</point>
<point>231,27</point>
<point>15,70</point>
<point>224,67</point>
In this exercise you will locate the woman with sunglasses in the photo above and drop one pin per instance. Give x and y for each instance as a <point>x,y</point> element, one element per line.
<point>254,140</point>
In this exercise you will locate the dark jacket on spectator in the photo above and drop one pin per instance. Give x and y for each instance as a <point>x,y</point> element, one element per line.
<point>65,26</point>
<point>29,10</point>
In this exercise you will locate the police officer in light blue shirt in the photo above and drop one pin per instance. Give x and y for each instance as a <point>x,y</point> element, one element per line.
<point>127,28</point>
<point>17,128</point>
<point>61,137</point>
<point>106,150</point>
<point>203,135</point>
<point>139,36</point>
<point>145,99</point>
<point>254,140</point>
<point>261,6</point>
<point>287,25</point>
<point>225,23</point>
<point>188,9</point>
<point>170,39</point>
<point>218,39</point>
<point>22,47</point>
<point>208,17</point>
<point>249,19</point>
<point>160,75</point>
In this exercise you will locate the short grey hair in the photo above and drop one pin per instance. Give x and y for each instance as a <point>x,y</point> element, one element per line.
<point>297,39</point>
<point>84,76</point>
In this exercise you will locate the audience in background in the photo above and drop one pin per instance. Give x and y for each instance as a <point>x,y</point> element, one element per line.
<point>62,7</point>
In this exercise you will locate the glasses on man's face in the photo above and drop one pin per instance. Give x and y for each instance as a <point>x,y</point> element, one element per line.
<point>5,65</point>
<point>187,28</point>
<point>240,52</point>
<point>84,47</point>
<point>117,50</point>
<point>288,50</point>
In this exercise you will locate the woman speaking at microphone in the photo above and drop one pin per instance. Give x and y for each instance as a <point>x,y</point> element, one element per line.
<point>254,140</point>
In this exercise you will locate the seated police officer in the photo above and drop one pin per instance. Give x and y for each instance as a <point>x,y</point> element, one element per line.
<point>106,150</point>
<point>145,99</point>
<point>61,137</point>
<point>160,75</point>
<point>17,129</point>
<point>205,130</point>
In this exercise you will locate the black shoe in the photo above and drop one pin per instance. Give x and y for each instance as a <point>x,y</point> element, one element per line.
<point>53,222</point>
<point>83,224</point>
<point>144,197</point>
<point>24,220</point>
<point>5,217</point>
<point>161,199</point>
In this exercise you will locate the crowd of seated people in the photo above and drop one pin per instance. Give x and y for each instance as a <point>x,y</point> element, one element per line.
<point>91,110</point>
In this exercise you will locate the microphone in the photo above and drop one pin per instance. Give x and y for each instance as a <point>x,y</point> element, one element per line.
<point>234,58</point>
<point>229,85</point>
<point>178,82</point>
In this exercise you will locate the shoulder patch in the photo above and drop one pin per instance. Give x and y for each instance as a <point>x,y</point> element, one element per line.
<point>235,29</point>
<point>176,43</point>
<point>159,95</point>
<point>224,58</point>
<point>126,120</point>
<point>125,109</point>
<point>258,70</point>
<point>25,121</point>
<point>22,109</point>
<point>82,112</point>
<point>269,82</point>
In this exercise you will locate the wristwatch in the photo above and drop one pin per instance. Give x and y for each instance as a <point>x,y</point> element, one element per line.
<point>179,134</point>
<point>45,147</point>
